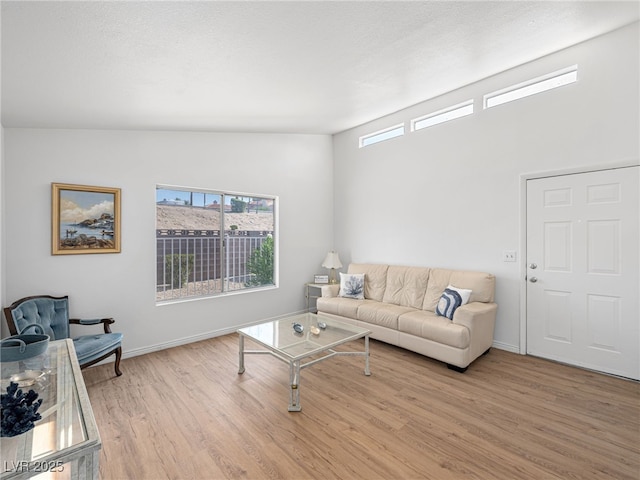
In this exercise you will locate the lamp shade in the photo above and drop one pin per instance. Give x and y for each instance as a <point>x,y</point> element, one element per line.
<point>332,260</point>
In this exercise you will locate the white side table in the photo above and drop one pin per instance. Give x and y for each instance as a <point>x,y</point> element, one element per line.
<point>313,291</point>
<point>65,443</point>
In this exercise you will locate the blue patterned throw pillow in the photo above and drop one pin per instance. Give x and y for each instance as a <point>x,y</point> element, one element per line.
<point>352,285</point>
<point>449,301</point>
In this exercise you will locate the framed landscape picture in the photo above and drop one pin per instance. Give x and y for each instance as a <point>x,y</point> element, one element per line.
<point>84,219</point>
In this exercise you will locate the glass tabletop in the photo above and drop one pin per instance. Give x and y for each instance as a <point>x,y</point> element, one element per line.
<point>280,336</point>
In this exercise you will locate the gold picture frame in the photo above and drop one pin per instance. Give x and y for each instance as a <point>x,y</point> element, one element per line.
<point>84,219</point>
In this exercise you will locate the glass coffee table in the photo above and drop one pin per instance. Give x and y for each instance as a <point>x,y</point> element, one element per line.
<point>300,337</point>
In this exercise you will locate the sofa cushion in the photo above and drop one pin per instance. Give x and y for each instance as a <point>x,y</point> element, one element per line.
<point>482,286</point>
<point>346,307</point>
<point>428,325</point>
<point>406,286</point>
<point>352,285</point>
<point>383,314</point>
<point>438,281</point>
<point>375,279</point>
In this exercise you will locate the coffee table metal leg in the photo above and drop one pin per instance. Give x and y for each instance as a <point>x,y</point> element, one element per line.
<point>241,353</point>
<point>294,382</point>
<point>366,355</point>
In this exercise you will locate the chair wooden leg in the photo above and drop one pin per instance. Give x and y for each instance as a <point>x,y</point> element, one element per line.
<point>117,364</point>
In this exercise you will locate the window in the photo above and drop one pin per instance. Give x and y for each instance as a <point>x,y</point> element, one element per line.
<point>382,135</point>
<point>441,116</point>
<point>531,87</point>
<point>210,243</point>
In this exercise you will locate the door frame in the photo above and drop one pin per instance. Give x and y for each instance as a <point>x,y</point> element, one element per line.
<point>522,266</point>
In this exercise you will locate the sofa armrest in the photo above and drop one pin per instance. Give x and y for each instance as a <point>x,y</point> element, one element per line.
<point>330,290</point>
<point>480,319</point>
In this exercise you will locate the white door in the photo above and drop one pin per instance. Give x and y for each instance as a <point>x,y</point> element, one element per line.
<point>583,264</point>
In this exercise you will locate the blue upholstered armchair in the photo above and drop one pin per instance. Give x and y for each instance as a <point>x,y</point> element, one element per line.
<point>52,314</point>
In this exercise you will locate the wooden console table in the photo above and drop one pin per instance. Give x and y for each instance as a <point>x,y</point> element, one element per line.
<point>65,443</point>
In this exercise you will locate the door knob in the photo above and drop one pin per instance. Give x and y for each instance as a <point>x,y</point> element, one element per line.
<point>533,266</point>
<point>533,279</point>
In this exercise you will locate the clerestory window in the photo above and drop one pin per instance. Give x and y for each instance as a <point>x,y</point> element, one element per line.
<point>532,87</point>
<point>382,135</point>
<point>211,242</point>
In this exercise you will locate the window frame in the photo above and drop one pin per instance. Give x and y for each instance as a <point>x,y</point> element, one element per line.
<point>225,238</point>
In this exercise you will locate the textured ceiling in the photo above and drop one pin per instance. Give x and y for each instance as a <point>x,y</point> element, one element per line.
<point>310,67</point>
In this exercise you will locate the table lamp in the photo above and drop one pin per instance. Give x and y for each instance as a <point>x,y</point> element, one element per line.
<point>332,261</point>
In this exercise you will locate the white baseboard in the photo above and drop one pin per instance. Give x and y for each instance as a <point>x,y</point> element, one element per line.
<point>176,343</point>
<point>197,338</point>
<point>506,346</point>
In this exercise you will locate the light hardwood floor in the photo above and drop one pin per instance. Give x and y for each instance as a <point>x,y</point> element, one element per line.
<point>185,413</point>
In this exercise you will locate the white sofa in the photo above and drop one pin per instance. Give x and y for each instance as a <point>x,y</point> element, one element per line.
<point>399,308</point>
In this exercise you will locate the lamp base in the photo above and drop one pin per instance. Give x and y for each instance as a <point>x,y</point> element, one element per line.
<point>333,278</point>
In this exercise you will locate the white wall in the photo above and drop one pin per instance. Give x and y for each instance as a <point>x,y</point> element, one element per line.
<point>297,168</point>
<point>449,195</point>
